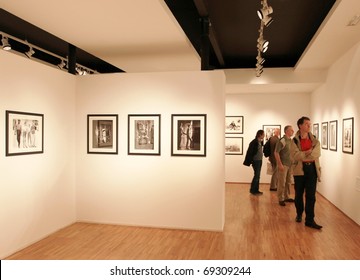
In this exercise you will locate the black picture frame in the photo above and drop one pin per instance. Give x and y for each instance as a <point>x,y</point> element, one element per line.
<point>144,134</point>
<point>316,130</point>
<point>234,145</point>
<point>269,130</point>
<point>325,135</point>
<point>333,134</point>
<point>24,133</point>
<point>234,124</point>
<point>102,134</point>
<point>348,135</point>
<point>188,135</point>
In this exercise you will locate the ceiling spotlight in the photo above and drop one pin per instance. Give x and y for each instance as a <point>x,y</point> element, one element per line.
<point>263,48</point>
<point>5,44</point>
<point>267,21</point>
<point>30,52</point>
<point>260,60</point>
<point>259,72</point>
<point>263,43</point>
<point>61,65</point>
<point>264,12</point>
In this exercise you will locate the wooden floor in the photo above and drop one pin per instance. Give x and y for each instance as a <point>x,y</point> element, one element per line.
<point>256,228</point>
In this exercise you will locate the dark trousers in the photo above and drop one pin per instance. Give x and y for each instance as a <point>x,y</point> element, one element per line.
<point>256,165</point>
<point>307,184</point>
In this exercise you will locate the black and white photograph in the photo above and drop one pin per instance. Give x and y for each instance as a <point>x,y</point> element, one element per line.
<point>24,133</point>
<point>333,135</point>
<point>144,134</point>
<point>234,145</point>
<point>234,124</point>
<point>102,134</point>
<point>188,137</point>
<point>348,136</point>
<point>269,130</point>
<point>324,135</point>
<point>316,130</point>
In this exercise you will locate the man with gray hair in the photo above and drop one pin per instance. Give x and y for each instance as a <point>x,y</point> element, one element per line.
<point>283,159</point>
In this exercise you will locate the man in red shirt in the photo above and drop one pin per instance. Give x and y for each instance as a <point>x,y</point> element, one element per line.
<point>305,151</point>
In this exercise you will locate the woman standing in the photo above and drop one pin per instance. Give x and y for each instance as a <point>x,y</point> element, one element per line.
<point>254,157</point>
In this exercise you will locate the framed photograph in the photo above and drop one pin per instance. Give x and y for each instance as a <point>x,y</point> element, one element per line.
<point>348,136</point>
<point>188,135</point>
<point>269,131</point>
<point>324,135</point>
<point>24,133</point>
<point>316,130</point>
<point>144,135</point>
<point>102,134</point>
<point>234,124</point>
<point>234,145</point>
<point>333,135</point>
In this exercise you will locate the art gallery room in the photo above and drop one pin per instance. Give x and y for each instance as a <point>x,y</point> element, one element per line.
<point>97,95</point>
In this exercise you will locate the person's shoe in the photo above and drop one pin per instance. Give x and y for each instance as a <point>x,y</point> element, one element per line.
<point>282,203</point>
<point>289,200</point>
<point>313,225</point>
<point>298,219</point>
<point>273,190</point>
<point>256,193</point>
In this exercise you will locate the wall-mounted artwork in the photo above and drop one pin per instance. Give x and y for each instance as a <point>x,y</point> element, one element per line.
<point>348,136</point>
<point>324,135</point>
<point>333,135</point>
<point>188,137</point>
<point>316,130</point>
<point>234,145</point>
<point>24,133</point>
<point>102,134</point>
<point>144,134</point>
<point>234,124</point>
<point>269,130</point>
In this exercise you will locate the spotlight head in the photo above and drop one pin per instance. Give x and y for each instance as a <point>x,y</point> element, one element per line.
<point>30,52</point>
<point>264,12</point>
<point>267,21</point>
<point>5,44</point>
<point>61,65</point>
<point>260,60</point>
<point>259,72</point>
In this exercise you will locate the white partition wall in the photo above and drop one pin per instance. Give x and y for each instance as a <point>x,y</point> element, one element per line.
<point>147,190</point>
<point>37,191</point>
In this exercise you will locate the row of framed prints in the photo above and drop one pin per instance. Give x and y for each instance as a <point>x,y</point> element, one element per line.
<point>329,135</point>
<point>25,134</point>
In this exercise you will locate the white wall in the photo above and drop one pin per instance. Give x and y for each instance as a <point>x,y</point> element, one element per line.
<point>339,98</point>
<point>159,191</point>
<point>261,109</point>
<point>37,191</point>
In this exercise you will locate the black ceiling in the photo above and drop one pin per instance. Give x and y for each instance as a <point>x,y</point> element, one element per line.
<point>232,37</point>
<point>235,29</point>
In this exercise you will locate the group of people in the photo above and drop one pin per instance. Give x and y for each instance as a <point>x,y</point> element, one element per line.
<point>291,157</point>
<point>25,131</point>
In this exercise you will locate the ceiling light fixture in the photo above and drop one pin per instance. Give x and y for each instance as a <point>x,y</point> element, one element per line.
<point>262,13</point>
<point>83,70</point>
<point>30,52</point>
<point>61,65</point>
<point>262,44</point>
<point>5,43</point>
